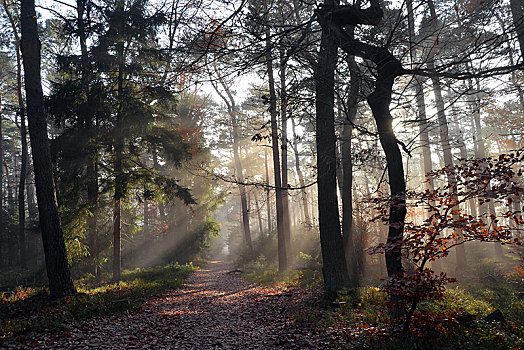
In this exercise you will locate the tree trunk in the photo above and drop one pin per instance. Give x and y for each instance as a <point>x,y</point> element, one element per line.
<point>352,248</point>
<point>2,237</point>
<point>239,175</point>
<point>283,116</point>
<point>60,282</point>
<point>481,154</point>
<point>117,213</point>
<point>334,262</point>
<point>232,110</point>
<point>303,192</point>
<point>30,185</point>
<point>259,215</point>
<point>421,105</point>
<point>268,194</point>
<point>92,221</point>
<point>119,175</point>
<point>86,115</point>
<point>281,236</point>
<point>379,102</point>
<point>461,261</point>
<point>23,137</point>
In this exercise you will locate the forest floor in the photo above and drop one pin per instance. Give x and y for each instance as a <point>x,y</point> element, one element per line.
<point>214,309</point>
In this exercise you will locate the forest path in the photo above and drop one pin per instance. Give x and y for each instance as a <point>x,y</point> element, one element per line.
<point>214,309</point>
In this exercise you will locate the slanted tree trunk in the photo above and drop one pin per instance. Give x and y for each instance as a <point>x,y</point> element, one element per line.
<point>334,262</point>
<point>281,236</point>
<point>379,102</point>
<point>60,282</point>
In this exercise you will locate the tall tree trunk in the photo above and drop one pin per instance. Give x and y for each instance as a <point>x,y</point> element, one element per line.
<point>119,175</point>
<point>23,137</point>
<point>239,175</point>
<point>379,102</point>
<point>87,117</point>
<point>461,261</point>
<point>421,105</point>
<point>22,262</point>
<point>2,237</point>
<point>334,262</point>
<point>233,113</point>
<point>283,116</point>
<point>303,192</point>
<point>481,154</point>
<point>352,248</point>
<point>60,282</point>
<point>281,236</point>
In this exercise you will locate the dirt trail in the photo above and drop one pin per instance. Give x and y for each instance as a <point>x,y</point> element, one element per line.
<point>213,310</point>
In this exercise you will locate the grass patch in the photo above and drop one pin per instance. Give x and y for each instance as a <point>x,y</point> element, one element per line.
<point>30,309</point>
<point>261,272</point>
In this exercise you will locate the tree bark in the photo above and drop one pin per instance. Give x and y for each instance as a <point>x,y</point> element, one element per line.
<point>2,238</point>
<point>23,137</point>
<point>352,249</point>
<point>281,236</point>
<point>86,116</point>
<point>379,102</point>
<point>259,215</point>
<point>119,175</point>
<point>60,282</point>
<point>32,208</point>
<point>283,116</point>
<point>303,192</point>
<point>233,113</point>
<point>334,262</point>
<point>268,193</point>
<point>461,260</point>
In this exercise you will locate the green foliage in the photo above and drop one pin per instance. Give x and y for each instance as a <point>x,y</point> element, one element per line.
<point>30,309</point>
<point>455,321</point>
<point>262,272</point>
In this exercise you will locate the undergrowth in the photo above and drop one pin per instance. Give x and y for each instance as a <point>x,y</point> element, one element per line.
<point>360,319</point>
<point>26,310</point>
